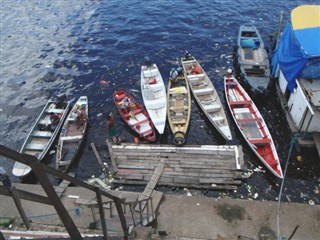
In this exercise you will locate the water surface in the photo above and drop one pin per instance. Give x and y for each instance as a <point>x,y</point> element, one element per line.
<point>67,47</point>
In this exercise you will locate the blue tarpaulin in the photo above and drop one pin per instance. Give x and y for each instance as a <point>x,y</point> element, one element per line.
<point>290,57</point>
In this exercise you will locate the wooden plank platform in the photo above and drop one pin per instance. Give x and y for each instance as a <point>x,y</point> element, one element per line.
<point>203,167</point>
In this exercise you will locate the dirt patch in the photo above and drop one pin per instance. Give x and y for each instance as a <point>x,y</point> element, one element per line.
<point>231,212</point>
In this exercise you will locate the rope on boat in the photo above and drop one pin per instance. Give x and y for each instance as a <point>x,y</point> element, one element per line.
<point>292,143</point>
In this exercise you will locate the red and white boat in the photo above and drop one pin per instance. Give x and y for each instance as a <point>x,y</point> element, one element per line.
<point>135,116</point>
<point>251,124</point>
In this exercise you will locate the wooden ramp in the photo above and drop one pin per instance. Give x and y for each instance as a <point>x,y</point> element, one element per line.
<point>202,167</point>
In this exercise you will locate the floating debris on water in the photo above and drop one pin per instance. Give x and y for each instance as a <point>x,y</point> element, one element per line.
<point>104,82</point>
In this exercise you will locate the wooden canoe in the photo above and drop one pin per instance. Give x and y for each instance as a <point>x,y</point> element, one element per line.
<point>206,95</point>
<point>72,135</point>
<point>251,125</point>
<point>253,60</point>
<point>154,96</point>
<point>136,117</point>
<point>41,137</point>
<point>179,108</point>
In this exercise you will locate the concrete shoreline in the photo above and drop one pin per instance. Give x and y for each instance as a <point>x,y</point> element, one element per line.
<point>183,217</point>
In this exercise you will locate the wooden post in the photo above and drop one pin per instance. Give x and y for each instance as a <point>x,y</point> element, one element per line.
<point>148,210</point>
<point>140,213</point>
<point>118,203</point>
<point>16,199</point>
<point>97,155</point>
<point>132,214</point>
<point>52,195</point>
<point>101,211</point>
<point>111,214</point>
<point>94,216</point>
<point>152,210</point>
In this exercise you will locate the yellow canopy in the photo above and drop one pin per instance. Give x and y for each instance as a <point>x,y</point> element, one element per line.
<point>305,16</point>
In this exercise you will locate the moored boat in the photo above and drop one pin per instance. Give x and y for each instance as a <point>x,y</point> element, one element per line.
<point>206,95</point>
<point>251,124</point>
<point>43,133</point>
<point>72,134</point>
<point>134,115</point>
<point>179,108</point>
<point>253,60</point>
<point>154,95</point>
<point>296,67</point>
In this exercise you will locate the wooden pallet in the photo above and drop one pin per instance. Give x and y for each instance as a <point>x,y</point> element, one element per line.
<point>203,167</point>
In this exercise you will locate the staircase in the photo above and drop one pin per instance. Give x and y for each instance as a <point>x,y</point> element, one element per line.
<point>138,211</point>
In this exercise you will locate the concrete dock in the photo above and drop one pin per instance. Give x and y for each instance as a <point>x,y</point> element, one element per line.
<point>178,217</point>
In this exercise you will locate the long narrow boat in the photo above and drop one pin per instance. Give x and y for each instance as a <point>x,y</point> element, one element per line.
<point>154,95</point>
<point>72,134</point>
<point>41,136</point>
<point>251,124</point>
<point>253,60</point>
<point>135,116</point>
<point>206,95</point>
<point>179,108</point>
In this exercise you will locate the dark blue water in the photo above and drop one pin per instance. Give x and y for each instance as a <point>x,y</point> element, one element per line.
<point>67,47</point>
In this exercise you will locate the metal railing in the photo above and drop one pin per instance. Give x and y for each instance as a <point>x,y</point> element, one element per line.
<point>41,170</point>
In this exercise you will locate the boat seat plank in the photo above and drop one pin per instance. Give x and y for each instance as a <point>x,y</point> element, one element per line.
<point>176,109</point>
<point>179,121</point>
<point>230,83</point>
<point>55,110</point>
<point>33,146</point>
<point>260,141</point>
<point>45,134</point>
<point>218,118</point>
<point>70,138</point>
<point>203,91</point>
<point>248,120</point>
<point>189,61</point>
<point>146,133</point>
<point>194,77</point>
<point>233,103</point>
<point>136,111</point>
<point>212,108</point>
<point>140,122</point>
<point>148,73</point>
